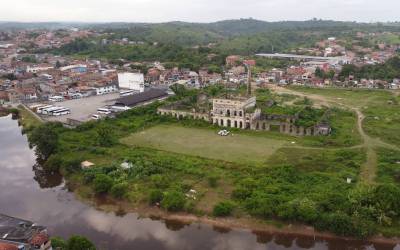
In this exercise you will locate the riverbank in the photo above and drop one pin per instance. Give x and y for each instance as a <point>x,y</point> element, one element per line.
<point>248,223</point>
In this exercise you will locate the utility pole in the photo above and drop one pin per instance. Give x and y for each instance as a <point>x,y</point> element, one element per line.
<point>248,79</point>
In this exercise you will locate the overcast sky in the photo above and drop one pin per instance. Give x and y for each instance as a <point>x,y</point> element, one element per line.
<point>197,10</point>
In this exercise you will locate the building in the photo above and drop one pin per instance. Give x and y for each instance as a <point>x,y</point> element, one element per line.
<point>142,98</point>
<point>242,113</point>
<point>233,112</point>
<point>16,232</point>
<point>132,81</point>
<point>106,89</point>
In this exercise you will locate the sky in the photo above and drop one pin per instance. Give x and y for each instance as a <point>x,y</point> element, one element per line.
<point>197,10</point>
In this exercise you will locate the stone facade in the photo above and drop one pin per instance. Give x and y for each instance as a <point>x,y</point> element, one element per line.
<point>242,113</point>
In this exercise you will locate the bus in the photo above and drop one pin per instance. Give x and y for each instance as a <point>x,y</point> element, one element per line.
<point>63,111</point>
<point>120,108</point>
<point>49,110</point>
<point>39,110</point>
<point>127,92</point>
<point>56,99</point>
<point>103,111</point>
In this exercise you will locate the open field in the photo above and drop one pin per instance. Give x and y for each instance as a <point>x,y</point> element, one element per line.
<point>206,143</point>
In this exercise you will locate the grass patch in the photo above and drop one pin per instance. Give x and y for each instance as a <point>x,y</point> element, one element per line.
<point>206,143</point>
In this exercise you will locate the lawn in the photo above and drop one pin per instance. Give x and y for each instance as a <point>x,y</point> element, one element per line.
<point>244,149</point>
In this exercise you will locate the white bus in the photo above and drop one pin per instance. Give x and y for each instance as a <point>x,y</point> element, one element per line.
<point>127,92</point>
<point>56,99</point>
<point>63,111</point>
<point>103,111</point>
<point>120,108</point>
<point>40,109</point>
<point>49,110</point>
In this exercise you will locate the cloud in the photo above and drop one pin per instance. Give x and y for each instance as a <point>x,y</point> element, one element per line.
<point>197,10</point>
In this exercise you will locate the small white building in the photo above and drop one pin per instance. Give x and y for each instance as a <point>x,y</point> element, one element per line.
<point>133,81</point>
<point>106,89</point>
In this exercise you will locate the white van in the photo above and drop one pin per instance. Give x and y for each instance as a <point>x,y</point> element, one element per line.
<point>95,117</point>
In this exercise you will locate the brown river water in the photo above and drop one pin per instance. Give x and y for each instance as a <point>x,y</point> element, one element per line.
<point>28,193</point>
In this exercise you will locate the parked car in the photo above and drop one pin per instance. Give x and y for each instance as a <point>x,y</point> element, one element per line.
<point>95,117</point>
<point>223,132</point>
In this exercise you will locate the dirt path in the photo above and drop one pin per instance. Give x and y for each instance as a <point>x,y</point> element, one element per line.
<point>369,168</point>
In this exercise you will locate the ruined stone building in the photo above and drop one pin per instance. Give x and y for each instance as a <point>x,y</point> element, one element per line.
<point>241,113</point>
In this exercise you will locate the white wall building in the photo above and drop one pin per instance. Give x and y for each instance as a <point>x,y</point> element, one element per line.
<point>106,89</point>
<point>133,81</point>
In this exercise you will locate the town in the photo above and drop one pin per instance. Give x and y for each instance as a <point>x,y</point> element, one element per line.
<point>121,131</point>
<point>71,90</point>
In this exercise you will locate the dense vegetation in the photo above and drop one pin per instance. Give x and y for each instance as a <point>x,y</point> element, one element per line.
<point>189,44</point>
<point>75,242</point>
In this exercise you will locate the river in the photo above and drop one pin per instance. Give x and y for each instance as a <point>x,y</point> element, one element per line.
<point>28,193</point>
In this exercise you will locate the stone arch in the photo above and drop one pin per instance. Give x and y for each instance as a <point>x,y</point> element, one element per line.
<point>228,124</point>
<point>228,112</point>
<point>257,126</point>
<point>236,124</point>
<point>240,124</point>
<point>222,122</point>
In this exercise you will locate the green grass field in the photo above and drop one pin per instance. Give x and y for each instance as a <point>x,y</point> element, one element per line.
<point>206,143</point>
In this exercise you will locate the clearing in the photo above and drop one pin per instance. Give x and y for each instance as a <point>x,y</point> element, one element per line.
<point>206,143</point>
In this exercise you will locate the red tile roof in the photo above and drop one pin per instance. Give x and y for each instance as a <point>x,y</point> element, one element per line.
<point>5,246</point>
<point>39,239</point>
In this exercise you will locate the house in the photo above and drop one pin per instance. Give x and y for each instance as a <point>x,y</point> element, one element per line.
<point>232,60</point>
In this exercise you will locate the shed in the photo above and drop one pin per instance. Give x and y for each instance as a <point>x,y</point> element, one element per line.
<point>134,100</point>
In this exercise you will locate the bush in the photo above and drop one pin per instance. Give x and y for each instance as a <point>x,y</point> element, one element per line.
<point>223,208</point>
<point>119,190</point>
<point>79,243</point>
<point>156,196</point>
<point>58,243</point>
<point>102,183</point>
<point>53,163</point>
<point>173,201</point>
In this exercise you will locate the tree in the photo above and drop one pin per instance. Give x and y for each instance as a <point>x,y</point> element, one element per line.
<point>102,183</point>
<point>319,73</point>
<point>58,243</point>
<point>58,64</point>
<point>45,138</point>
<point>105,136</point>
<point>79,243</point>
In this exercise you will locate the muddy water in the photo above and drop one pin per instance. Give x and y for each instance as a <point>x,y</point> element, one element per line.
<point>27,192</point>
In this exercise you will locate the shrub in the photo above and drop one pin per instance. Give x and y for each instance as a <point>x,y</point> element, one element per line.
<point>53,163</point>
<point>156,196</point>
<point>102,183</point>
<point>173,201</point>
<point>223,208</point>
<point>79,243</point>
<point>119,190</point>
<point>58,243</point>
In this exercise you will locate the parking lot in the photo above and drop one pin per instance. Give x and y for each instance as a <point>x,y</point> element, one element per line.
<point>82,109</point>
